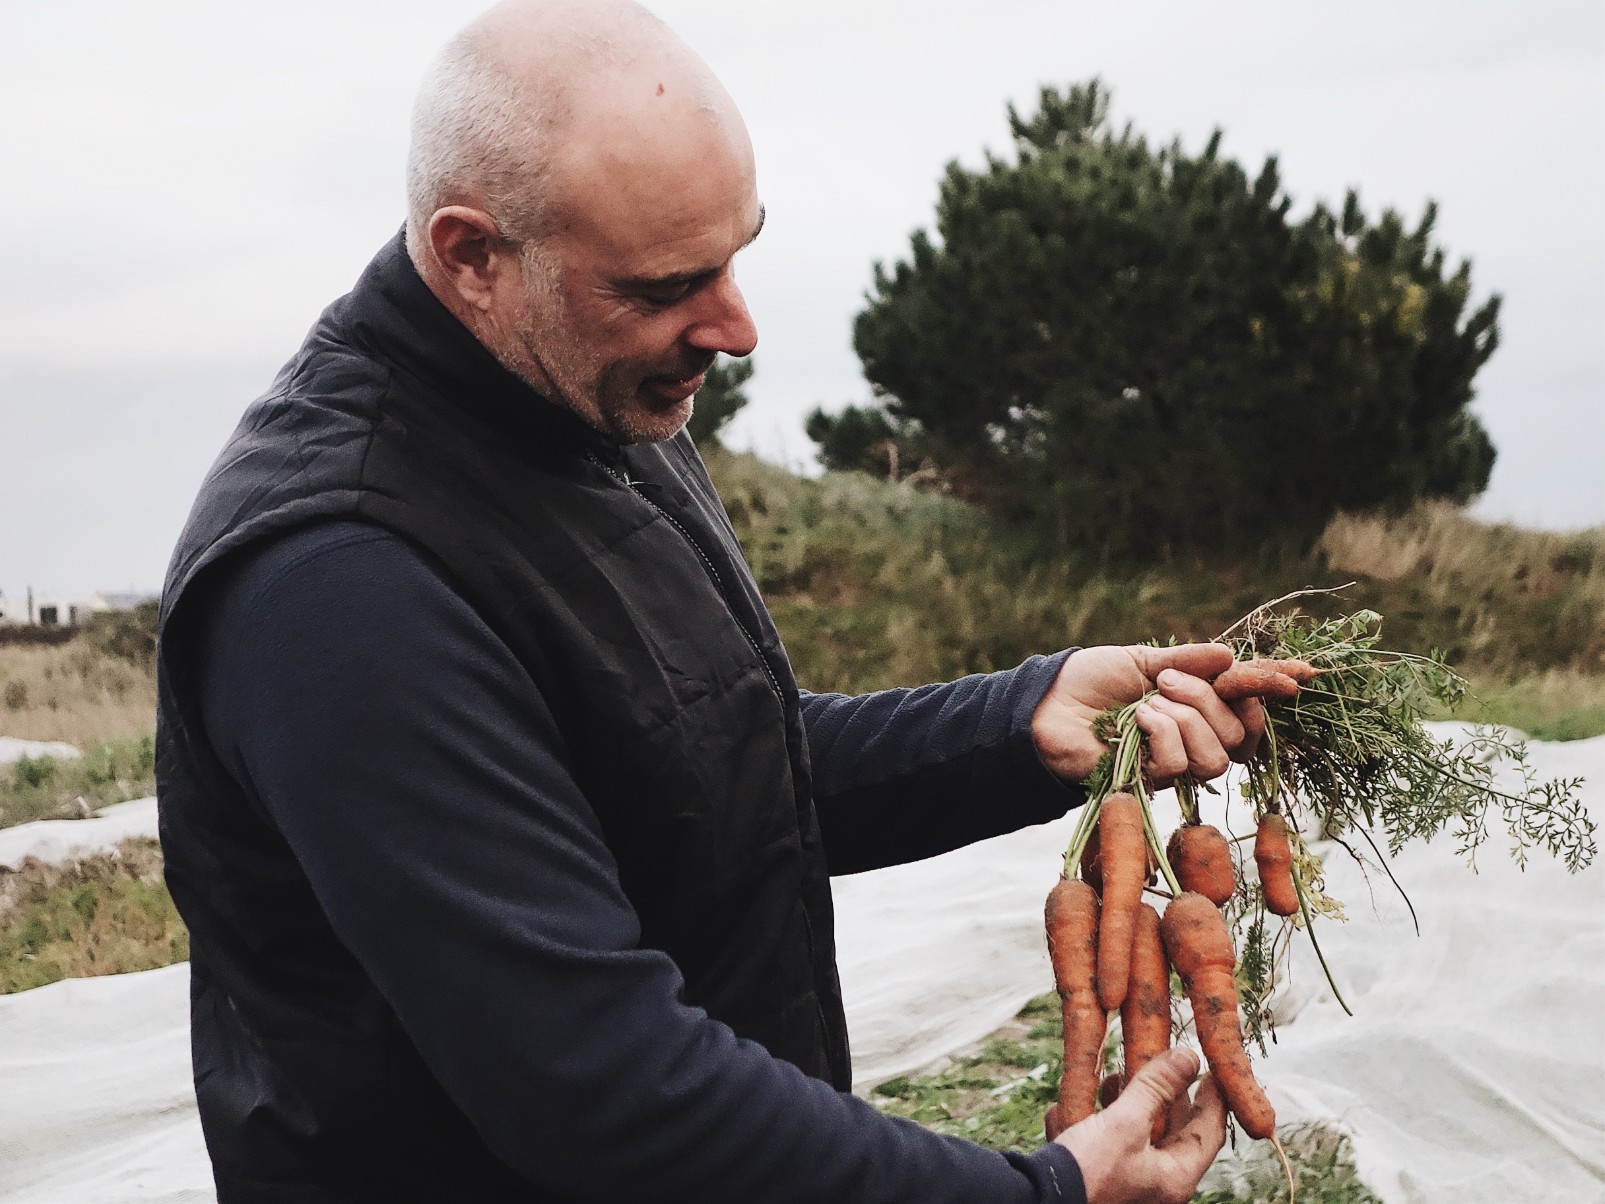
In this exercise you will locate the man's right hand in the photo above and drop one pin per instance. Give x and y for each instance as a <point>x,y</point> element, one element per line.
<point>1119,1165</point>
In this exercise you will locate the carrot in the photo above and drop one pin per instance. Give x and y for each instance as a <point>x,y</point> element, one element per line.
<point>1109,1089</point>
<point>1198,945</point>
<point>1123,855</point>
<point>1071,919</point>
<point>1145,1015</point>
<point>1091,866</point>
<point>1273,854</point>
<point>1300,671</point>
<point>1250,679</point>
<point>1202,860</point>
<point>1051,1127</point>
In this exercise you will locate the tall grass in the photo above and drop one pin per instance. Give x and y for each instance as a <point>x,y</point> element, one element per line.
<point>73,692</point>
<point>1507,602</point>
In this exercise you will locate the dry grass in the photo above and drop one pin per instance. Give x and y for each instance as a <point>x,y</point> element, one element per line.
<point>1508,605</point>
<point>73,692</point>
<point>107,914</point>
<point>1439,542</point>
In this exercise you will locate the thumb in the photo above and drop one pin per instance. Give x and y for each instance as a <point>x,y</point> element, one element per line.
<point>1199,660</point>
<point>1149,1095</point>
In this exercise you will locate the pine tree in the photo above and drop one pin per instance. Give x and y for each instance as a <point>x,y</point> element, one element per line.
<point>1139,349</point>
<point>720,399</point>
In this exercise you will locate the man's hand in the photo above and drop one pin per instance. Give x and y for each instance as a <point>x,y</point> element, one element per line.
<point>1119,1165</point>
<point>1188,726</point>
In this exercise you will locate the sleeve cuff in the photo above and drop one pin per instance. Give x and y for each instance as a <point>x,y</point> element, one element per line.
<point>1033,783</point>
<point>1054,1172</point>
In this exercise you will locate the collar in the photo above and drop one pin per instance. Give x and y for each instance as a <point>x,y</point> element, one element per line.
<point>392,314</point>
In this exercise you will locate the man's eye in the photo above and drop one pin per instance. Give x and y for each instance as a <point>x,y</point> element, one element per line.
<point>666,293</point>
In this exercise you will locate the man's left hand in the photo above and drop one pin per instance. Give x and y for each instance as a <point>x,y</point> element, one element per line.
<point>1189,728</point>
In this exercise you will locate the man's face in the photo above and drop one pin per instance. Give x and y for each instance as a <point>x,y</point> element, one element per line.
<point>622,309</point>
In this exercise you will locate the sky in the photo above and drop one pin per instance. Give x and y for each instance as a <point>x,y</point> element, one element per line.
<point>187,183</point>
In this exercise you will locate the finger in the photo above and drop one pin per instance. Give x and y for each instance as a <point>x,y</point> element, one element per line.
<point>1155,1088</point>
<point>1251,713</point>
<point>1167,752</point>
<point>1181,1111</point>
<point>1196,1143</point>
<point>1206,757</point>
<point>1200,695</point>
<point>1199,660</point>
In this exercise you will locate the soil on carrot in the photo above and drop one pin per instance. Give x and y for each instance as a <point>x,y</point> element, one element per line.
<point>995,1095</point>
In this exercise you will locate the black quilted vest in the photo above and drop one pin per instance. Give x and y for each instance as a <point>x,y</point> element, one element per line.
<point>614,577</point>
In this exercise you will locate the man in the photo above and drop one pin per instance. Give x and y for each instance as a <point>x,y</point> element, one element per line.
<point>500,825</point>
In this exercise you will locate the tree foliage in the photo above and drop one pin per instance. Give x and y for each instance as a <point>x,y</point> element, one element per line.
<point>720,399</point>
<point>1140,348</point>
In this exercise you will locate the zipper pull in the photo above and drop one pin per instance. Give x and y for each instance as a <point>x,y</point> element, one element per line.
<point>622,472</point>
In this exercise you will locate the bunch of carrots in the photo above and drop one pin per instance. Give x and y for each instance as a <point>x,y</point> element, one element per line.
<point>1112,952</point>
<point>1345,752</point>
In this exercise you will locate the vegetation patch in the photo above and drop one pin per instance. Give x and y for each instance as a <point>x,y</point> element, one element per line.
<point>115,771</point>
<point>106,914</point>
<point>996,1095</point>
<point>1322,1161</point>
<point>95,684</point>
<point>875,583</point>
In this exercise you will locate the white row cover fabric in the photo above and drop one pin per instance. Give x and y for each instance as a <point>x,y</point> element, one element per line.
<point>55,841</point>
<point>12,749</point>
<point>96,1101</point>
<point>1473,1071</point>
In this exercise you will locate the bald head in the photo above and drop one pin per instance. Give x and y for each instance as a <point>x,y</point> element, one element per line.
<point>533,87</point>
<point>579,187</point>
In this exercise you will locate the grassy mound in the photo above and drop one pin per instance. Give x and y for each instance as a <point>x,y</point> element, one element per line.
<point>107,914</point>
<point>874,584</point>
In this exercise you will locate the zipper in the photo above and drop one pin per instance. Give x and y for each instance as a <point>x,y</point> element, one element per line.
<point>623,477</point>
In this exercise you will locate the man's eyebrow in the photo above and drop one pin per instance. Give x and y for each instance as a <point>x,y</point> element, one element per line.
<point>675,278</point>
<point>758,229</point>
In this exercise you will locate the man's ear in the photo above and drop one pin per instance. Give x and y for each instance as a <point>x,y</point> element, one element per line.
<point>471,254</point>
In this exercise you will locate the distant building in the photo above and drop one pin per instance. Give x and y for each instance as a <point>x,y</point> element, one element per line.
<point>52,610</point>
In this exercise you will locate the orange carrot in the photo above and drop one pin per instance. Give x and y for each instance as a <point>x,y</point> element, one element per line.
<point>1123,855</point>
<point>1091,866</point>
<point>1300,671</point>
<point>1200,948</point>
<point>1273,854</point>
<point>1202,860</point>
<point>1072,922</point>
<point>1145,1015</point>
<point>1250,679</point>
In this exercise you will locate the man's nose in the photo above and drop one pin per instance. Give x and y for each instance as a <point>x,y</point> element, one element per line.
<point>723,322</point>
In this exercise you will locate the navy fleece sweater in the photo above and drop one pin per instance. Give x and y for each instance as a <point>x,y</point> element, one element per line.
<point>389,735</point>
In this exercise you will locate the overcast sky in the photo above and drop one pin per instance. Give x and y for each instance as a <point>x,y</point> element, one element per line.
<point>186,184</point>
